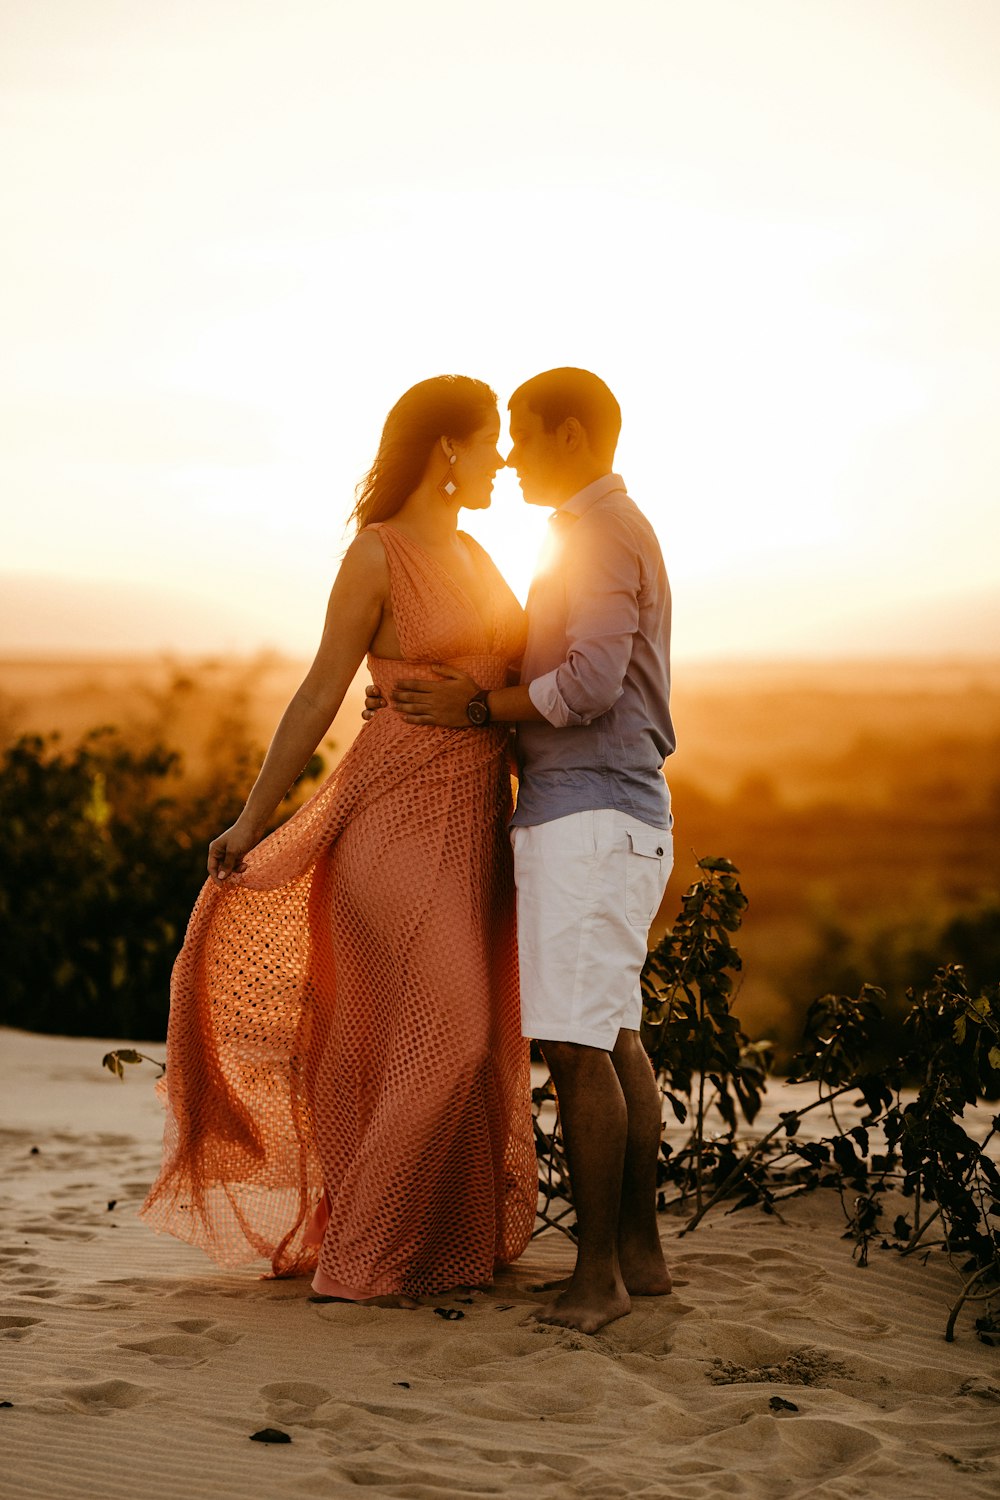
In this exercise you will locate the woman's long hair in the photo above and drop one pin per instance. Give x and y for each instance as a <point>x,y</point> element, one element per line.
<point>452,406</point>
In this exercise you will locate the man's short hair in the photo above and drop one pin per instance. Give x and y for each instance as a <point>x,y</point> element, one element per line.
<point>558,394</point>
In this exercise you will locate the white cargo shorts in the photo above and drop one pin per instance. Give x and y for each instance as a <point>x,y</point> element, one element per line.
<point>588,886</point>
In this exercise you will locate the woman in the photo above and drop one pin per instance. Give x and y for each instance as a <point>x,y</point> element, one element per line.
<point>347,1088</point>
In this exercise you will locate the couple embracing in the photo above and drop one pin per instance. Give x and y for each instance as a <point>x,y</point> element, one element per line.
<point>347,1059</point>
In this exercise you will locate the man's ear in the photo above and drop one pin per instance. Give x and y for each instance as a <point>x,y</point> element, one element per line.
<point>574,435</point>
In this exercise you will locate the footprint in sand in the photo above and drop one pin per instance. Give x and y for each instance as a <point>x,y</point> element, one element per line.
<point>218,1332</point>
<point>148,1286</point>
<point>95,1398</point>
<point>40,1285</point>
<point>92,1300</point>
<point>816,1450</point>
<point>981,1387</point>
<point>104,1139</point>
<point>289,1401</point>
<point>86,1213</point>
<point>46,1227</point>
<point>13,1327</point>
<point>402,1407</point>
<point>29,1267</point>
<point>195,1341</point>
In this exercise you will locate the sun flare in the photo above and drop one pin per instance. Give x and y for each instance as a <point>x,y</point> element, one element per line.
<point>209,309</point>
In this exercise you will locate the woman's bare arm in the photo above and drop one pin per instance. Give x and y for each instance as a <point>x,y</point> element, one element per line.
<point>353,614</point>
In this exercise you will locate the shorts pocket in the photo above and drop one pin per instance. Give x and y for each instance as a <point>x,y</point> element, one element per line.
<point>646,872</point>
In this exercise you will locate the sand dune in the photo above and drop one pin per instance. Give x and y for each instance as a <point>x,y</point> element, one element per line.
<point>778,1367</point>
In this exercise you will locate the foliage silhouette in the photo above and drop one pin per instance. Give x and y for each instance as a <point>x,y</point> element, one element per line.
<point>910,1146</point>
<point>102,853</point>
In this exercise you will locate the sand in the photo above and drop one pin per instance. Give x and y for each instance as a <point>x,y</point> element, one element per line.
<point>134,1368</point>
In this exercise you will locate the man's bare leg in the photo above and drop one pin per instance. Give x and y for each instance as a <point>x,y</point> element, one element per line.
<point>595,1128</point>
<point>640,1255</point>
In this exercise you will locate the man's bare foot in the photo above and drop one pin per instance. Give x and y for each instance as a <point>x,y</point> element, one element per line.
<point>644,1273</point>
<point>586,1305</point>
<point>559,1285</point>
<point>585,1308</point>
<point>642,1280</point>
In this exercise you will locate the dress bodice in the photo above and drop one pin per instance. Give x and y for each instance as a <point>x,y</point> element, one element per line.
<point>437,620</point>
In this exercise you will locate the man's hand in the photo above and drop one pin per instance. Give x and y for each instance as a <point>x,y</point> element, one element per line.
<point>442,702</point>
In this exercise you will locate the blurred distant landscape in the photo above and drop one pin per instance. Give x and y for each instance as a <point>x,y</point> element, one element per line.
<point>860,800</point>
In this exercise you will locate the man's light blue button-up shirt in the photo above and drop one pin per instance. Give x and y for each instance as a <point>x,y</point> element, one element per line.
<point>597,665</point>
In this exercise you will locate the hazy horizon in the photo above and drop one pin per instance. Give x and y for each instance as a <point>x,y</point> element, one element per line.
<point>50,616</point>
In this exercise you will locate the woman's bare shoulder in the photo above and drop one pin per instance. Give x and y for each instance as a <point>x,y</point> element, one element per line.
<point>365,560</point>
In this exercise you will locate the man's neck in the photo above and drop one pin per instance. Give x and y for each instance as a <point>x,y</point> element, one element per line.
<point>580,480</point>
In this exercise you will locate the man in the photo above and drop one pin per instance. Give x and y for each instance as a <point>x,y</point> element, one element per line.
<point>591,830</point>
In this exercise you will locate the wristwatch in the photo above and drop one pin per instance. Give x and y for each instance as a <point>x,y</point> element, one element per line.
<point>477,710</point>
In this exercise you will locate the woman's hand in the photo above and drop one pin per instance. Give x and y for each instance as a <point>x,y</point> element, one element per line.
<point>226,853</point>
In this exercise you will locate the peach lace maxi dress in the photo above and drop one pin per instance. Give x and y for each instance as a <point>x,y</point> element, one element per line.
<point>346,1080</point>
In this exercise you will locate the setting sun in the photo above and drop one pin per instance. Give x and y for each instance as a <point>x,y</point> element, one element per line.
<point>780,261</point>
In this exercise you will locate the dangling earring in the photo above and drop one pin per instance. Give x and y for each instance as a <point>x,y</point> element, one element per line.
<point>447,488</point>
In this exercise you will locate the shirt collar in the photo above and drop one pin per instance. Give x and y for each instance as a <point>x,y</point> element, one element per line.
<point>578,505</point>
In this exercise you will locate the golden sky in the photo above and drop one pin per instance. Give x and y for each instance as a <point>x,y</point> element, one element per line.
<point>236,230</point>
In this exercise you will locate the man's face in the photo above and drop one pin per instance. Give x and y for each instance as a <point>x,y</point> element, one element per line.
<point>536,456</point>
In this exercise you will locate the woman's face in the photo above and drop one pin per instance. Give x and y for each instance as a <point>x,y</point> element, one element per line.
<point>476,463</point>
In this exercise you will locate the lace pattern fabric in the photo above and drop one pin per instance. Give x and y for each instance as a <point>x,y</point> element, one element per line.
<point>347,1089</point>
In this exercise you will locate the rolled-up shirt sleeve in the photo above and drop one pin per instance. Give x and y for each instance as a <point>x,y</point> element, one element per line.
<point>603,580</point>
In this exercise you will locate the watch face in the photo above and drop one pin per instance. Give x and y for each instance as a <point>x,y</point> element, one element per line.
<point>477,712</point>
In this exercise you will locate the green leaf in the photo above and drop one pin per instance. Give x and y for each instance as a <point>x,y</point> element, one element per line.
<point>114,1061</point>
<point>994,1058</point>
